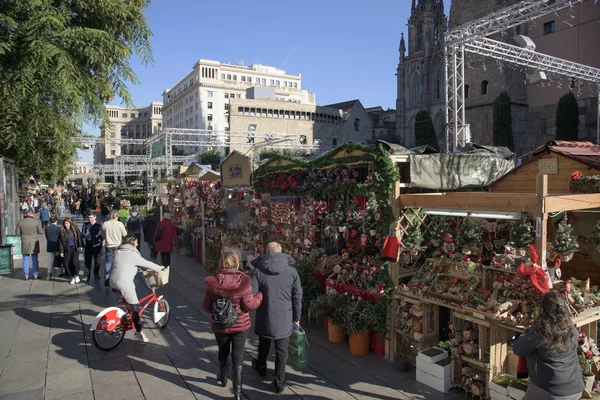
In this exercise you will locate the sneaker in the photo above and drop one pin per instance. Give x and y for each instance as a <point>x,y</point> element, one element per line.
<point>86,278</point>
<point>141,337</point>
<point>77,280</point>
<point>73,281</point>
<point>107,282</point>
<point>279,389</point>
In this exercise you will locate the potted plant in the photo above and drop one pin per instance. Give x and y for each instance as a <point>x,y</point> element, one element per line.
<point>565,241</point>
<point>359,319</point>
<point>521,234</point>
<point>332,308</point>
<point>437,231</point>
<point>469,236</point>
<point>413,241</point>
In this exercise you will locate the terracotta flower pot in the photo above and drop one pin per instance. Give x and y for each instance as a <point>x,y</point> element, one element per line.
<point>360,343</point>
<point>337,334</point>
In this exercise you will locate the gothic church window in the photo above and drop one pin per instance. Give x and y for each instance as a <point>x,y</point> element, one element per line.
<point>416,89</point>
<point>439,83</point>
<point>419,37</point>
<point>484,87</point>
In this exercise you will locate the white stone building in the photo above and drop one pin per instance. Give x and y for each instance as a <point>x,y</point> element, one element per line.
<point>126,123</point>
<point>201,99</point>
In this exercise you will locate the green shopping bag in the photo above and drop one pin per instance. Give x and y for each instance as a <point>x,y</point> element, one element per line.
<point>297,354</point>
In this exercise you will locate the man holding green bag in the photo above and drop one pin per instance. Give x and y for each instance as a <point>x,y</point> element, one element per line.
<point>276,278</point>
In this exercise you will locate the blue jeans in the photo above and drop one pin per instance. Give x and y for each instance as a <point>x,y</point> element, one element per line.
<point>109,253</point>
<point>36,266</point>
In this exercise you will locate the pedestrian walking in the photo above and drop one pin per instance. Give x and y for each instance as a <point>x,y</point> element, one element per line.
<point>44,216</point>
<point>36,204</point>
<point>134,225</point>
<point>92,237</point>
<point>275,276</point>
<point>550,347</point>
<point>113,232</point>
<point>52,233</point>
<point>231,284</point>
<point>149,227</point>
<point>24,208</point>
<point>164,238</point>
<point>69,246</point>
<point>76,207</point>
<point>29,229</point>
<point>123,214</point>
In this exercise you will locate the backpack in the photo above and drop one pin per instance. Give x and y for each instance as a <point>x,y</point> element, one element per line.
<point>158,234</point>
<point>223,314</point>
<point>134,224</point>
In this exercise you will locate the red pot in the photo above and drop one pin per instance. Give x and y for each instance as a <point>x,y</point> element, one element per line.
<point>378,345</point>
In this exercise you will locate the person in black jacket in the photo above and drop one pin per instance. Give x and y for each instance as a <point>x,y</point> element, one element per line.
<point>52,231</point>
<point>149,227</point>
<point>92,236</point>
<point>275,276</point>
<point>69,245</point>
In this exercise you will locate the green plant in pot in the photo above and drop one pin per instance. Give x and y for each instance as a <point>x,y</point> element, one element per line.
<point>359,320</point>
<point>565,241</point>
<point>332,308</point>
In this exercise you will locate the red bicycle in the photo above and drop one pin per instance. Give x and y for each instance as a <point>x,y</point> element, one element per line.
<point>109,327</point>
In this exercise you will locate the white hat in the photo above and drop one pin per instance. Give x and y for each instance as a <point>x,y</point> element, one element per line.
<point>167,216</point>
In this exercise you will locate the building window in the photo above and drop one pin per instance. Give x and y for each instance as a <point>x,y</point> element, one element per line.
<point>112,135</point>
<point>416,89</point>
<point>285,83</point>
<point>209,94</point>
<point>249,78</point>
<point>237,95</point>
<point>419,37</point>
<point>232,95</point>
<point>243,79</point>
<point>272,82</point>
<point>467,91</point>
<point>209,105</point>
<point>226,106</point>
<point>226,95</point>
<point>334,142</point>
<point>222,76</point>
<point>484,87</point>
<point>296,85</point>
<point>210,128</point>
<point>264,81</point>
<point>209,117</point>
<point>124,115</point>
<point>549,27</point>
<point>277,83</point>
<point>113,152</point>
<point>228,77</point>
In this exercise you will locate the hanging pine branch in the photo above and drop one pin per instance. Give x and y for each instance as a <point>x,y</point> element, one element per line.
<point>414,240</point>
<point>469,233</point>
<point>521,233</point>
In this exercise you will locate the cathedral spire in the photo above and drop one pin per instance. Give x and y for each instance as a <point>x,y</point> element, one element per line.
<point>402,48</point>
<point>413,5</point>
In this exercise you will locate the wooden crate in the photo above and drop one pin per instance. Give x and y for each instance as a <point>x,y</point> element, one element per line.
<point>430,330</point>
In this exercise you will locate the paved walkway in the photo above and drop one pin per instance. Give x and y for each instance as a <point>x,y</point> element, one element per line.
<point>46,350</point>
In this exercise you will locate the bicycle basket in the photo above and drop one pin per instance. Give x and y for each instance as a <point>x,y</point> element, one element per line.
<point>156,279</point>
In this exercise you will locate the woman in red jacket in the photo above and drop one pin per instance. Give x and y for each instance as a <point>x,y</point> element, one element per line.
<point>231,283</point>
<point>164,237</point>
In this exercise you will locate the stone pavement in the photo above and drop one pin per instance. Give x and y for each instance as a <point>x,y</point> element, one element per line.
<point>46,350</point>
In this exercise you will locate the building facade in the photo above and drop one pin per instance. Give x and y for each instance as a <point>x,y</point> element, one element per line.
<point>81,173</point>
<point>328,126</point>
<point>384,123</point>
<point>126,123</point>
<point>201,100</point>
<point>569,34</point>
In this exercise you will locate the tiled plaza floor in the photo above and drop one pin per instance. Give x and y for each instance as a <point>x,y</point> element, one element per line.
<point>46,350</point>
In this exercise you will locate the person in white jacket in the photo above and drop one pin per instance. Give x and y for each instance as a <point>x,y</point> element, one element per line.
<point>125,268</point>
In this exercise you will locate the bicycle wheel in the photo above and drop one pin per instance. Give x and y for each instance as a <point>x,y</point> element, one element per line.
<point>161,315</point>
<point>107,340</point>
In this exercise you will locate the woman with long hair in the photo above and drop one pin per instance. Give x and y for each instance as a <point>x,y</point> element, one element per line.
<point>550,347</point>
<point>70,244</point>
<point>231,283</point>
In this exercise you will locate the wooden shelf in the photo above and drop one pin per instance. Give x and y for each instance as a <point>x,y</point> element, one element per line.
<point>480,364</point>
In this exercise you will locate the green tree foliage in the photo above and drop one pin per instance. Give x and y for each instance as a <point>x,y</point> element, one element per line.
<point>210,157</point>
<point>503,134</point>
<point>424,130</point>
<point>521,233</point>
<point>61,61</point>
<point>567,118</point>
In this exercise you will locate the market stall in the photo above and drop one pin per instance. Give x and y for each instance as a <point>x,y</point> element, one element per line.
<point>478,280</point>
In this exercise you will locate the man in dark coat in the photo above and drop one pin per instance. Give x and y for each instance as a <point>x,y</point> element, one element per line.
<point>148,227</point>
<point>52,232</point>
<point>275,276</point>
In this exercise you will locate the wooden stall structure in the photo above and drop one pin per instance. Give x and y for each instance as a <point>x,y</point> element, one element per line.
<point>560,160</point>
<point>493,334</point>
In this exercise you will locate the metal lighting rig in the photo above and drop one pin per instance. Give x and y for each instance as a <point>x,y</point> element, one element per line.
<point>472,37</point>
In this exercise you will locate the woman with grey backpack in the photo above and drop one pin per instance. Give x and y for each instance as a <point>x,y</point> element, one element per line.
<point>228,297</point>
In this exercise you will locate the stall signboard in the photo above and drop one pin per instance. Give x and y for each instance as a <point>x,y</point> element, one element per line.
<point>6,261</point>
<point>16,244</point>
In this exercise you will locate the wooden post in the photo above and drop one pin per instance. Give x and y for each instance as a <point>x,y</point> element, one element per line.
<point>203,233</point>
<point>541,219</point>
<point>391,345</point>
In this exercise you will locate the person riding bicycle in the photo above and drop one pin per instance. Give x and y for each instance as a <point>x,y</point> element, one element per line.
<point>125,267</point>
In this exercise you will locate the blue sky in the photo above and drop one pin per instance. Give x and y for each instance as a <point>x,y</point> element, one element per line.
<point>344,49</point>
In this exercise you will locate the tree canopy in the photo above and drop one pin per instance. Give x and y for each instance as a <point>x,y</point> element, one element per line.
<point>425,131</point>
<point>567,118</point>
<point>61,61</point>
<point>503,133</point>
<point>210,157</point>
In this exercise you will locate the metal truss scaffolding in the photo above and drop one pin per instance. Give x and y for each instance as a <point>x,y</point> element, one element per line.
<point>472,38</point>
